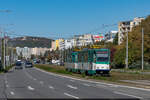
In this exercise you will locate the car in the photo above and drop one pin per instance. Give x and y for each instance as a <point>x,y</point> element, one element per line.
<point>18,65</point>
<point>28,64</point>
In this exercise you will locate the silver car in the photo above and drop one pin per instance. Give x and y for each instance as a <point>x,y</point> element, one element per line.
<point>18,65</point>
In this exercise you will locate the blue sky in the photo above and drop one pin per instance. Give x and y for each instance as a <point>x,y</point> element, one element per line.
<point>64,18</point>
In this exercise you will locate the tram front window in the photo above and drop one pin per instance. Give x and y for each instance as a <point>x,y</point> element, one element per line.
<point>102,57</point>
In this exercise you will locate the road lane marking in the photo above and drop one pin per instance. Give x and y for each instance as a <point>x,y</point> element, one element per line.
<point>86,84</point>
<point>71,96</point>
<point>127,95</point>
<point>30,88</point>
<point>51,87</point>
<point>12,93</point>
<point>28,75</point>
<point>7,86</point>
<point>72,80</point>
<point>70,86</point>
<point>113,86</point>
<point>41,82</point>
<point>6,82</point>
<point>50,73</point>
<point>35,79</point>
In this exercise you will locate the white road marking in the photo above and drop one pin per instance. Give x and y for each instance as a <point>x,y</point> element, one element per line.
<point>41,82</point>
<point>29,75</point>
<point>51,87</point>
<point>128,95</point>
<point>12,93</point>
<point>35,79</point>
<point>7,86</point>
<point>70,86</point>
<point>86,84</point>
<point>113,86</point>
<point>100,85</point>
<point>6,82</point>
<point>72,80</point>
<point>71,96</point>
<point>50,73</point>
<point>30,88</point>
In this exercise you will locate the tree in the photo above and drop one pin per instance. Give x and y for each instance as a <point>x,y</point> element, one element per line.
<point>134,46</point>
<point>115,41</point>
<point>32,56</point>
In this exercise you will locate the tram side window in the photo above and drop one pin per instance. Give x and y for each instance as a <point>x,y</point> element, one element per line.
<point>79,57</point>
<point>85,57</point>
<point>73,58</point>
<point>69,60</point>
<point>76,58</point>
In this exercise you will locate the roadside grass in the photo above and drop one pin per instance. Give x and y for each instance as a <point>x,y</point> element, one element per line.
<point>1,72</point>
<point>7,69</point>
<point>53,68</point>
<point>114,76</point>
<point>131,71</point>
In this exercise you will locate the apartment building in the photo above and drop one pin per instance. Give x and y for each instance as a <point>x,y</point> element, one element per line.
<point>109,37</point>
<point>87,39</point>
<point>68,43</point>
<point>61,44</point>
<point>127,26</point>
<point>24,52</point>
<point>27,52</point>
<point>39,51</point>
<point>78,40</point>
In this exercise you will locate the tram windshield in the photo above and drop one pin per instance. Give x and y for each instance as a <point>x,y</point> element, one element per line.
<point>102,57</point>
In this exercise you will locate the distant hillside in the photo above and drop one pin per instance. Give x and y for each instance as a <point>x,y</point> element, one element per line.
<point>30,42</point>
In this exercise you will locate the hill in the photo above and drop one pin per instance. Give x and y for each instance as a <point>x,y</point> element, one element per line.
<point>29,41</point>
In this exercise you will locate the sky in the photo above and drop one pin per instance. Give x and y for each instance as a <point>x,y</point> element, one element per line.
<point>65,18</point>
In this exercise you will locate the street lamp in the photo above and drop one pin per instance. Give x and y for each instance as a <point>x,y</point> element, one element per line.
<point>142,47</point>
<point>5,11</point>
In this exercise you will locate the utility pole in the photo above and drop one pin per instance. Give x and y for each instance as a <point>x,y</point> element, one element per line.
<point>142,48</point>
<point>127,49</point>
<point>4,11</point>
<point>4,53</point>
<point>1,38</point>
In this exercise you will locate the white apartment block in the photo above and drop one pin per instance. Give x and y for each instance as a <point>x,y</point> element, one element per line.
<point>88,39</point>
<point>24,52</point>
<point>83,40</point>
<point>39,51</point>
<point>126,26</point>
<point>27,52</point>
<point>78,39</point>
<point>109,37</point>
<point>61,44</point>
<point>68,43</point>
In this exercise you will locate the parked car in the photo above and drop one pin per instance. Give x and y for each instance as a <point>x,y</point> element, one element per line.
<point>28,64</point>
<point>18,65</point>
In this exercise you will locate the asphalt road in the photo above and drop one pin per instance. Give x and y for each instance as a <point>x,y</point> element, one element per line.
<point>35,83</point>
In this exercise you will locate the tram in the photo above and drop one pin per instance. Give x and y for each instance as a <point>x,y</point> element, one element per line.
<point>89,61</point>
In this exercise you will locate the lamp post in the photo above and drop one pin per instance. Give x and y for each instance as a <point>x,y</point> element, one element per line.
<point>127,49</point>
<point>4,11</point>
<point>142,48</point>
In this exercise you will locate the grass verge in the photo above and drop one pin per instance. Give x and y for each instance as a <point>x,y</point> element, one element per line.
<point>7,69</point>
<point>115,77</point>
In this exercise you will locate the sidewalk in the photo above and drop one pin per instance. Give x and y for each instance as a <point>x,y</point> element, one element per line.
<point>131,71</point>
